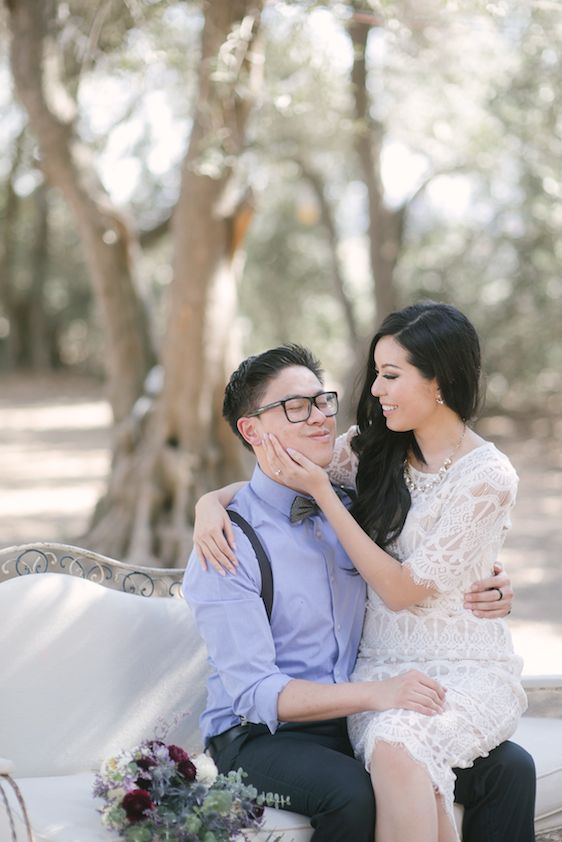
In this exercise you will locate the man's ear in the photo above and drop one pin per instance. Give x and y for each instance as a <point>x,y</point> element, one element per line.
<point>248,429</point>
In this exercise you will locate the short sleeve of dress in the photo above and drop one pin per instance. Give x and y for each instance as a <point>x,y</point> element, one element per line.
<point>474,514</point>
<point>342,470</point>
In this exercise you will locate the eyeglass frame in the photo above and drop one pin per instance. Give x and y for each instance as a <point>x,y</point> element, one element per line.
<point>311,403</point>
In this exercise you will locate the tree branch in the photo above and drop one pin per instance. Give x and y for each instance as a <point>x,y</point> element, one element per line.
<point>327,218</point>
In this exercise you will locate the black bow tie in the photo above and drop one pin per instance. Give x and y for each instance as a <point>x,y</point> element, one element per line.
<point>303,507</point>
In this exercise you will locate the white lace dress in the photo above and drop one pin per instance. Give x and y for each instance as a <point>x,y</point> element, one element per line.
<point>451,538</point>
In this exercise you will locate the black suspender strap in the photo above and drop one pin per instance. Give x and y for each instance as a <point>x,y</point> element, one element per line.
<point>262,557</point>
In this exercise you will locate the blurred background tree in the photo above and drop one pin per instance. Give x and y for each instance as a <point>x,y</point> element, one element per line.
<point>184,183</point>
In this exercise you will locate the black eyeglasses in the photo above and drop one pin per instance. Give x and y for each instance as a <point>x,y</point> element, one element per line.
<point>299,408</point>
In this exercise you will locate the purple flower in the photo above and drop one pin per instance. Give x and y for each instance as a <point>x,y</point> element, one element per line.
<point>152,745</point>
<point>136,803</point>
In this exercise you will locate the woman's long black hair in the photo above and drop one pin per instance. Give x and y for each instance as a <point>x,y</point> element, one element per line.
<point>441,343</point>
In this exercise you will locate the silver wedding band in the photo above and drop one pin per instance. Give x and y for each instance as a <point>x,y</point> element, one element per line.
<point>499,590</point>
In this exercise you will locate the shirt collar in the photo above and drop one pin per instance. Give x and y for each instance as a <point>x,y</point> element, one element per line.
<point>277,495</point>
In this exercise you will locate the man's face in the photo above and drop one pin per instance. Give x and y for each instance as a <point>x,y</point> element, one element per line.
<point>314,437</point>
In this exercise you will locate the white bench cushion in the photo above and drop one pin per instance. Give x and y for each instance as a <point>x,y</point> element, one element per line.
<point>87,671</point>
<point>62,809</point>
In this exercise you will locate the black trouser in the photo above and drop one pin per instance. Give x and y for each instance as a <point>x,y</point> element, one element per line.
<point>312,765</point>
<point>498,795</point>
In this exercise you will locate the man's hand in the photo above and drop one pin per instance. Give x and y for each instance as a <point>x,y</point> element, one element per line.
<point>484,599</point>
<point>411,690</point>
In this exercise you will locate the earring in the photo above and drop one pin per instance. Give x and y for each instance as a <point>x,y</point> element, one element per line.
<point>439,399</point>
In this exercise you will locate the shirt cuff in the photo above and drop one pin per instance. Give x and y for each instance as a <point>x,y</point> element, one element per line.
<point>266,698</point>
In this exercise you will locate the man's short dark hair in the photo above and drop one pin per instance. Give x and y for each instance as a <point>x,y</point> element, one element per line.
<point>247,385</point>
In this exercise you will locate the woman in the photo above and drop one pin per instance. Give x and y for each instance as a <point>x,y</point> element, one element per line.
<point>436,498</point>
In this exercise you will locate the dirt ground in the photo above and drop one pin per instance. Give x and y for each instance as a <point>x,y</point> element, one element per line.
<point>54,456</point>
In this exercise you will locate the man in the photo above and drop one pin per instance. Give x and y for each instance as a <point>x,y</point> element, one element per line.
<point>279,691</point>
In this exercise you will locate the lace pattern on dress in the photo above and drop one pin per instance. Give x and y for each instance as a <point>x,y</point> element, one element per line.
<point>342,470</point>
<point>452,536</point>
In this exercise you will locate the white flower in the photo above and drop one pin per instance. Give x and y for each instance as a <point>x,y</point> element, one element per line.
<point>117,794</point>
<point>113,768</point>
<point>206,769</point>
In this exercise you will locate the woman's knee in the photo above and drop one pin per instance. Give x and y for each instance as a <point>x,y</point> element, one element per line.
<point>394,761</point>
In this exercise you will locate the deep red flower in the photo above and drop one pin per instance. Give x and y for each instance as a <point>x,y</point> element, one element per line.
<point>145,764</point>
<point>136,803</point>
<point>187,770</point>
<point>257,810</point>
<point>177,754</point>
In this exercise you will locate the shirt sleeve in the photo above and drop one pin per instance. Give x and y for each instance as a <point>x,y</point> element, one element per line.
<point>342,470</point>
<point>470,528</point>
<point>232,621</point>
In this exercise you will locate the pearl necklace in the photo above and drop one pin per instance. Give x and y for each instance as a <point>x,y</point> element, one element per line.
<point>411,483</point>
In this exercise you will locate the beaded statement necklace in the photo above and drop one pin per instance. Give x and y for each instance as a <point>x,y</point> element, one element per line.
<point>411,483</point>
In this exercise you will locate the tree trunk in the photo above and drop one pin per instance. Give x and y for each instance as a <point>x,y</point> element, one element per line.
<point>182,448</point>
<point>38,335</point>
<point>8,293</point>
<point>328,221</point>
<point>385,225</point>
<point>106,237</point>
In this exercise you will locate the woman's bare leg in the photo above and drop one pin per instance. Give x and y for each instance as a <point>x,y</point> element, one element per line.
<point>406,803</point>
<point>446,831</point>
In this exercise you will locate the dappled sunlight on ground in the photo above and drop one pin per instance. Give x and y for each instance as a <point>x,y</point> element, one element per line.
<point>65,416</point>
<point>54,457</point>
<point>54,454</point>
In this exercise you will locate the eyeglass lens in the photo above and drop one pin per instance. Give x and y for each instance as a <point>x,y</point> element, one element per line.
<point>299,409</point>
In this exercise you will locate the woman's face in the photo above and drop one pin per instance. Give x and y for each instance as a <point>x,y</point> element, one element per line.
<point>408,399</point>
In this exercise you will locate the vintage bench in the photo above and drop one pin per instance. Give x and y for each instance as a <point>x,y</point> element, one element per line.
<point>99,659</point>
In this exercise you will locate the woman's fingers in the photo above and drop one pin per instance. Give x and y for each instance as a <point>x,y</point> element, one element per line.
<point>215,551</point>
<point>207,558</point>
<point>221,553</point>
<point>282,465</point>
<point>213,536</point>
<point>229,537</point>
<point>200,557</point>
<point>277,452</point>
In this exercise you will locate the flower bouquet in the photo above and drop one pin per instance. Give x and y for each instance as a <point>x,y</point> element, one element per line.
<point>158,793</point>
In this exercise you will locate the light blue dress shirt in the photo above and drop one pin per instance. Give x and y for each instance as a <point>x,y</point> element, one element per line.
<point>317,617</point>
